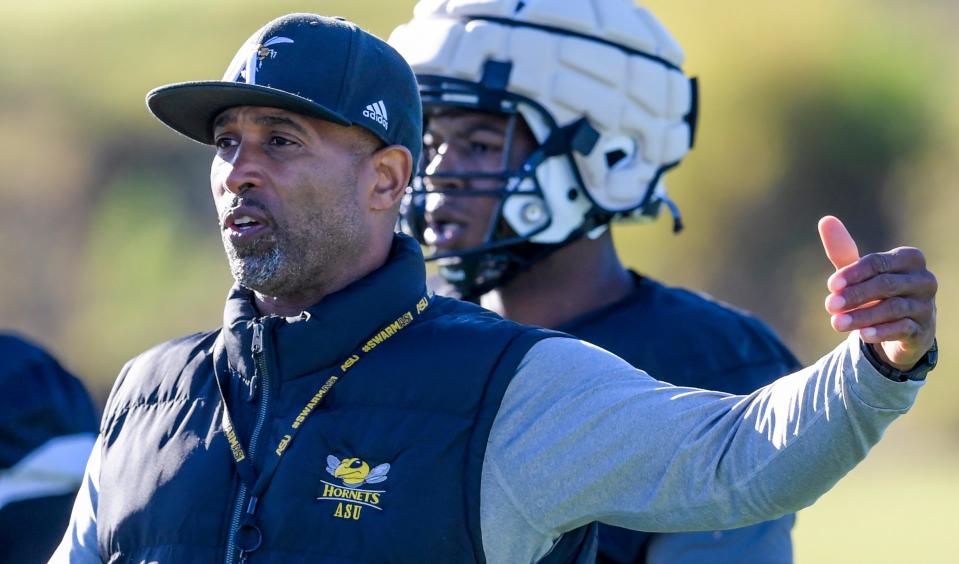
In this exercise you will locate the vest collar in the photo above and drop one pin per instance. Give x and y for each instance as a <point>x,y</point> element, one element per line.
<point>327,332</point>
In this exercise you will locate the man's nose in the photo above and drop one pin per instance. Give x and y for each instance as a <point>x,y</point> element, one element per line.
<point>444,170</point>
<point>246,168</point>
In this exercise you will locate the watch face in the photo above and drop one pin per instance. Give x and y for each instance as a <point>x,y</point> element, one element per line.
<point>932,356</point>
<point>925,364</point>
<point>916,373</point>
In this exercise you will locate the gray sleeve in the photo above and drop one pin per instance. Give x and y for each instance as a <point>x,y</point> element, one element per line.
<point>79,544</point>
<point>769,542</point>
<point>582,436</point>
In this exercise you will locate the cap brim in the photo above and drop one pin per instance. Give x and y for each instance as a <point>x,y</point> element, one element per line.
<point>190,107</point>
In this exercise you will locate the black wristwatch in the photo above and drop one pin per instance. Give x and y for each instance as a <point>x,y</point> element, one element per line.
<point>916,373</point>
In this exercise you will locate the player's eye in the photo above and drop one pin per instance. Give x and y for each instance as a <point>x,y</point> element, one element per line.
<point>482,143</point>
<point>480,148</point>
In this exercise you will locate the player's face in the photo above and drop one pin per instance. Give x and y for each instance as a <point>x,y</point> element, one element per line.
<point>288,196</point>
<point>465,142</point>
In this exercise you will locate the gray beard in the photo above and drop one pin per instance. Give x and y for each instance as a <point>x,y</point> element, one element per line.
<point>281,268</point>
<point>256,268</point>
<point>291,262</point>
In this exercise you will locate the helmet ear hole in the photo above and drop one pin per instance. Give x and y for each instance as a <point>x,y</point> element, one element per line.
<point>619,152</point>
<point>614,156</point>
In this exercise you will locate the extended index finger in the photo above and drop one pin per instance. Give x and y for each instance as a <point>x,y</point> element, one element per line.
<point>900,260</point>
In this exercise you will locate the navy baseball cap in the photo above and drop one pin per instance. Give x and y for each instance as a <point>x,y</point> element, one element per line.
<point>313,65</point>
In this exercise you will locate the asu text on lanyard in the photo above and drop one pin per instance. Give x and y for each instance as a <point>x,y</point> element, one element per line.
<point>259,484</point>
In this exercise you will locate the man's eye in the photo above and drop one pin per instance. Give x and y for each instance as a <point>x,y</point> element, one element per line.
<point>280,141</point>
<point>224,142</point>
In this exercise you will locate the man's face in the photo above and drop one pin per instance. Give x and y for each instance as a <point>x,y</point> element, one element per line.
<point>288,198</point>
<point>469,142</point>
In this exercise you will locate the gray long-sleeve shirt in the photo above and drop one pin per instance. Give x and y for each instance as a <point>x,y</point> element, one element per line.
<point>583,436</point>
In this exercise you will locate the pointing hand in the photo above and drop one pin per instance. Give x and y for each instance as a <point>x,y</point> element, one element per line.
<point>889,297</point>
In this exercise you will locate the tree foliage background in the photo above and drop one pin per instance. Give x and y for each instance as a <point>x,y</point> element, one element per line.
<point>845,107</point>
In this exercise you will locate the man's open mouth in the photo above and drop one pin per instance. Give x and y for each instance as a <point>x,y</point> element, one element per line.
<point>245,222</point>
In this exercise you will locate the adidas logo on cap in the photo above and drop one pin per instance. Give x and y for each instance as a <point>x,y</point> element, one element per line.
<point>377,113</point>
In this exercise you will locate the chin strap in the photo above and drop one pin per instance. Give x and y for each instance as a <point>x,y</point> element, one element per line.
<point>674,211</point>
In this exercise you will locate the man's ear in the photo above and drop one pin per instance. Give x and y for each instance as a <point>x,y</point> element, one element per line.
<point>393,165</point>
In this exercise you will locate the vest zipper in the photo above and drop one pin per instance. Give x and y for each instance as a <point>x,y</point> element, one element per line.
<point>260,372</point>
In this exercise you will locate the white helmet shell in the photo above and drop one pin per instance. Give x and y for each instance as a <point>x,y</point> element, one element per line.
<point>609,61</point>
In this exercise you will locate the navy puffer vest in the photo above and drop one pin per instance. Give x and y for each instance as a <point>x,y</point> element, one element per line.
<point>386,469</point>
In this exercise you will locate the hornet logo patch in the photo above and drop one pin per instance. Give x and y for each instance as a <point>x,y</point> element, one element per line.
<point>355,472</point>
<point>250,60</point>
<point>349,495</point>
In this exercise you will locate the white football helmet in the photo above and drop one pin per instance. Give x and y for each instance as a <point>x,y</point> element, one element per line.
<point>599,84</point>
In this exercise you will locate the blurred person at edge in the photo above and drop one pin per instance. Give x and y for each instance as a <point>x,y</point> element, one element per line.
<point>47,428</point>
<point>523,229</point>
<point>343,413</point>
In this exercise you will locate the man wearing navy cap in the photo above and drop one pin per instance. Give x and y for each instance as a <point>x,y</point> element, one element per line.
<point>342,414</point>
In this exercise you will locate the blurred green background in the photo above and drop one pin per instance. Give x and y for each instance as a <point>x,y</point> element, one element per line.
<point>845,107</point>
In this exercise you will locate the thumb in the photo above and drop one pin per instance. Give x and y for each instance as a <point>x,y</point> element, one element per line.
<point>837,242</point>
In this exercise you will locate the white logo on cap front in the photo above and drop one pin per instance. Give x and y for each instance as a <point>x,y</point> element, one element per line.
<point>250,59</point>
<point>377,113</point>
